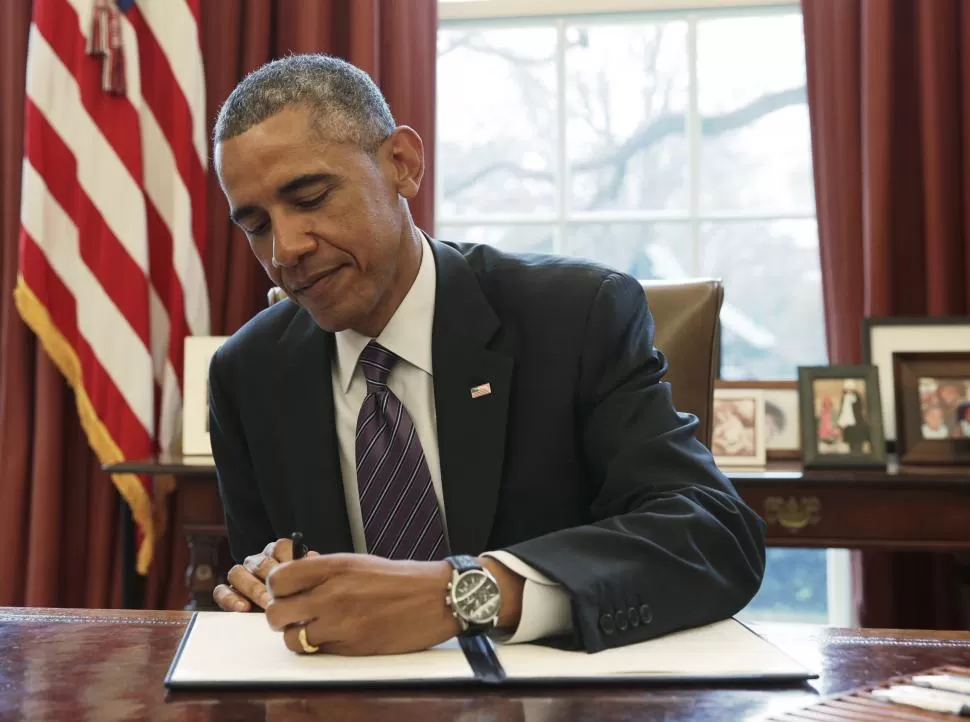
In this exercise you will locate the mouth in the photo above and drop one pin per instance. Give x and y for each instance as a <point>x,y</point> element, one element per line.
<point>314,280</point>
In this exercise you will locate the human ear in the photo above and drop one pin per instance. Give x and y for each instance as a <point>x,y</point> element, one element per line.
<point>405,155</point>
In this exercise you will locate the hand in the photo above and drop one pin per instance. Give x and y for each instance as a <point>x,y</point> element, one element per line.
<point>357,604</point>
<point>247,581</point>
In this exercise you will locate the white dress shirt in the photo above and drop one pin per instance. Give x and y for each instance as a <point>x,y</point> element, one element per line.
<point>545,605</point>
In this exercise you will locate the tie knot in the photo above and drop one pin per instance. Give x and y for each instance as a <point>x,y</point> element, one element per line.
<point>376,363</point>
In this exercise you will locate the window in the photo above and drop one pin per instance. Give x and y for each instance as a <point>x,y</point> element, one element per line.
<point>667,144</point>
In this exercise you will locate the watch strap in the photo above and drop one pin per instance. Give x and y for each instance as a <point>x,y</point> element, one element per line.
<point>464,563</point>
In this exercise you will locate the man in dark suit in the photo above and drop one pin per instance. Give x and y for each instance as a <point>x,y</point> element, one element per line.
<point>469,441</point>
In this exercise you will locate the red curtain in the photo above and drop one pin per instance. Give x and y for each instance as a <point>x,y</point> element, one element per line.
<point>889,100</point>
<point>58,510</point>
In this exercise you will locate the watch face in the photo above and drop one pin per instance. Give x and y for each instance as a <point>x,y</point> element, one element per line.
<point>476,597</point>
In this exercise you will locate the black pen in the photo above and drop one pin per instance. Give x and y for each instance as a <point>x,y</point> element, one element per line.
<point>299,550</point>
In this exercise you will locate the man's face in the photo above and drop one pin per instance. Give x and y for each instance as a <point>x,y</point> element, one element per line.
<point>325,219</point>
<point>949,393</point>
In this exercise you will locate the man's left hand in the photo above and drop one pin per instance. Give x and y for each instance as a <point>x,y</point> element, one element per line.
<point>355,604</point>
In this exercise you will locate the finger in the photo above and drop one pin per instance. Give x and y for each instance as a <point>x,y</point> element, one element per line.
<point>260,565</point>
<point>228,600</point>
<point>281,550</point>
<point>304,574</point>
<point>317,635</point>
<point>249,586</point>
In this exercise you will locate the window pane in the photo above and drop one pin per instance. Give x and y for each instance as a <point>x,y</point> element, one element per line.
<point>772,316</point>
<point>626,95</point>
<point>644,250</point>
<point>496,120</point>
<point>515,239</point>
<point>755,140</point>
<point>794,588</point>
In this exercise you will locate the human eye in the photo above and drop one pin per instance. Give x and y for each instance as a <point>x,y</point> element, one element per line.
<point>258,230</point>
<point>314,201</point>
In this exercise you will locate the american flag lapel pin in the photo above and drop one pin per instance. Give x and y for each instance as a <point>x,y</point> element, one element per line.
<point>482,390</point>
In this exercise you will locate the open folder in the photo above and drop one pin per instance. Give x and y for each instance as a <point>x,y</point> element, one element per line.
<point>224,649</point>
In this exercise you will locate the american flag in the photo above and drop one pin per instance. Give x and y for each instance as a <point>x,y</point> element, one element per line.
<point>113,219</point>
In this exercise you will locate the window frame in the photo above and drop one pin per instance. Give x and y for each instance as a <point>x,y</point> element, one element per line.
<point>508,13</point>
<point>519,9</point>
<point>560,14</point>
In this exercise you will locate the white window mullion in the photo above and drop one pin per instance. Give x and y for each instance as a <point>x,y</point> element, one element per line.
<point>562,176</point>
<point>693,146</point>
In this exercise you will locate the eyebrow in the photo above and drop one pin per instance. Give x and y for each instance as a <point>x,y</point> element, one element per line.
<point>240,214</point>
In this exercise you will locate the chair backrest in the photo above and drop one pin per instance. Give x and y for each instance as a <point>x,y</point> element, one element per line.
<point>686,316</point>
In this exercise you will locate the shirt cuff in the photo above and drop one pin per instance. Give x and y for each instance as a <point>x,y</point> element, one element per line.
<point>545,604</point>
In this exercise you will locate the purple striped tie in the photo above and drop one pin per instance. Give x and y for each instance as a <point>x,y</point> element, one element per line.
<point>397,501</point>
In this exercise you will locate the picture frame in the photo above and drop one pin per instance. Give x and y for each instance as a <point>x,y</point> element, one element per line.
<point>932,393</point>
<point>738,422</point>
<point>883,336</point>
<point>783,441</point>
<point>197,354</point>
<point>841,417</point>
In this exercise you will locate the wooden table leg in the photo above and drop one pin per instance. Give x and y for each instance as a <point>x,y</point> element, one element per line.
<point>207,565</point>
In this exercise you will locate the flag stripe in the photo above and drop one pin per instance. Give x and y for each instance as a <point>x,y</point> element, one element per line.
<point>114,117</point>
<point>104,255</point>
<point>174,27</point>
<point>116,347</point>
<point>100,171</point>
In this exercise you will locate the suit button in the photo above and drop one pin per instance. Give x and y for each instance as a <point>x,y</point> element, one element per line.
<point>620,617</point>
<point>646,614</point>
<point>632,615</point>
<point>606,623</point>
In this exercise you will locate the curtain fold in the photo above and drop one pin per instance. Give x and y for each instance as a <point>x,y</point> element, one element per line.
<point>58,510</point>
<point>889,102</point>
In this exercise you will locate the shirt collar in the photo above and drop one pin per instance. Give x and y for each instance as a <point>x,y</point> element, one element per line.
<point>407,334</point>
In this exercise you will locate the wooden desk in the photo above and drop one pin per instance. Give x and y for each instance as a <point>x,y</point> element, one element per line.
<point>908,508</point>
<point>109,665</point>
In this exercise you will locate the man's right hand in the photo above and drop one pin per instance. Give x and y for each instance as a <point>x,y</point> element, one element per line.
<point>247,581</point>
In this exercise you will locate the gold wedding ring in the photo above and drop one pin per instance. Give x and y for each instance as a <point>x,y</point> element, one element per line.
<point>307,647</point>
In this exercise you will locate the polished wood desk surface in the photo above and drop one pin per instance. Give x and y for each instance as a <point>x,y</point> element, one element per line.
<point>109,665</point>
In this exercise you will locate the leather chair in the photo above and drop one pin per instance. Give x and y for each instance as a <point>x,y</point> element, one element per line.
<point>688,334</point>
<point>686,317</point>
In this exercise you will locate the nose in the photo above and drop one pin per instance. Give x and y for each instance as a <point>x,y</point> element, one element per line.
<point>290,245</point>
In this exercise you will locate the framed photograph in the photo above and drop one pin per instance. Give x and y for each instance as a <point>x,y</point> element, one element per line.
<point>195,393</point>
<point>882,337</point>
<point>738,437</point>
<point>841,415</point>
<point>932,407</point>
<point>783,441</point>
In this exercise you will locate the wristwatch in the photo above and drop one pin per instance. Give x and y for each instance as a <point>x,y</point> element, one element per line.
<point>473,595</point>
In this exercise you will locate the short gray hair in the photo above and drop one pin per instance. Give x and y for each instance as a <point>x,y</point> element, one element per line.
<point>346,104</point>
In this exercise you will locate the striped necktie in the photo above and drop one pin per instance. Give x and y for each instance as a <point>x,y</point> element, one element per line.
<point>397,500</point>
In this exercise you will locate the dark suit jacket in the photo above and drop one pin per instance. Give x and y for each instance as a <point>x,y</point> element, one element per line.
<point>577,462</point>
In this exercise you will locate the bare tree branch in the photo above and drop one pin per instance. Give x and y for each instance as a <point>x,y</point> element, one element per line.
<point>648,135</point>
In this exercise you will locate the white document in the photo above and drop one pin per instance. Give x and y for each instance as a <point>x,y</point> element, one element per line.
<point>224,649</point>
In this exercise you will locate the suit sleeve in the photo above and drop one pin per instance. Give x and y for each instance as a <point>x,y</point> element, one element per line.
<point>672,545</point>
<point>246,519</point>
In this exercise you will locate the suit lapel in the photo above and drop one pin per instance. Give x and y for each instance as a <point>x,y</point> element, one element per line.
<point>471,430</point>
<point>307,436</point>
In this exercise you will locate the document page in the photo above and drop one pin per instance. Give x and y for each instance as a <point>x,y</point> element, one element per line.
<point>228,649</point>
<point>224,649</point>
<point>725,650</point>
